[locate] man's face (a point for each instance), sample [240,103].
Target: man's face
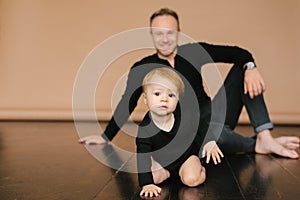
[164,31]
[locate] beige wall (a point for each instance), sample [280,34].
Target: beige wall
[44,42]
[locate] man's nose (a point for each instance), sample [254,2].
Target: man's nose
[165,38]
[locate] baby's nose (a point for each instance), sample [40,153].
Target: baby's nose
[164,98]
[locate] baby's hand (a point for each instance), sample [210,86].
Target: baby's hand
[150,190]
[211,149]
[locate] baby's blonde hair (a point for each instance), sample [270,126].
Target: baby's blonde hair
[165,73]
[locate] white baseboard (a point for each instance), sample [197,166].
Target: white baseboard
[277,118]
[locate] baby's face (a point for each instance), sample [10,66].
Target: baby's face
[161,96]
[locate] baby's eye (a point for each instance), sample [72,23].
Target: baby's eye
[156,93]
[172,95]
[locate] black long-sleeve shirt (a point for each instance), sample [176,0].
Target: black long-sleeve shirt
[170,149]
[188,62]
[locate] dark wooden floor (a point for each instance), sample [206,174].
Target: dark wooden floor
[42,160]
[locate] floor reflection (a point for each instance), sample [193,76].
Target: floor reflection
[116,159]
[175,190]
[252,176]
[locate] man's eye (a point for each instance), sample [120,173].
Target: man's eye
[171,32]
[158,33]
[156,93]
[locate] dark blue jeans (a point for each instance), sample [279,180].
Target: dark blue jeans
[230,141]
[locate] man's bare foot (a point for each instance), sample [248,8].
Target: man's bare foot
[266,144]
[92,139]
[290,142]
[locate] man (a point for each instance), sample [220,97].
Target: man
[244,80]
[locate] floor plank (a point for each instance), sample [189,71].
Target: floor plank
[253,179]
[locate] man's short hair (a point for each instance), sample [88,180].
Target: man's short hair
[165,11]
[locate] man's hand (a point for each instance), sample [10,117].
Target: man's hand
[211,149]
[92,139]
[253,83]
[150,190]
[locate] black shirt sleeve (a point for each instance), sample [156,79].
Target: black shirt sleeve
[144,148]
[228,54]
[126,105]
